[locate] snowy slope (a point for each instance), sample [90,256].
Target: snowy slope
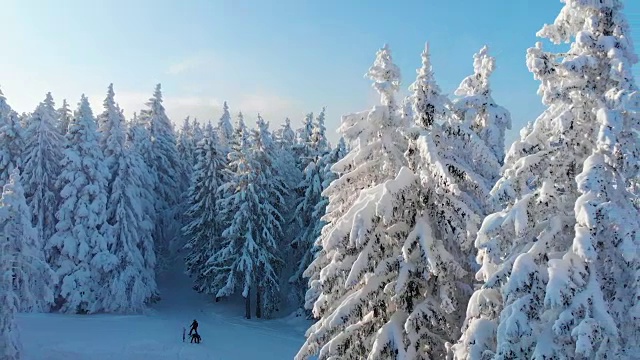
[158,334]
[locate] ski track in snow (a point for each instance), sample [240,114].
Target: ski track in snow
[157,334]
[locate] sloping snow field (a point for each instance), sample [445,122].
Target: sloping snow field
[157,335]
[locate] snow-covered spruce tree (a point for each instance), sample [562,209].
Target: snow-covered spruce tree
[202,232]
[285,139]
[42,156]
[10,345]
[198,131]
[164,161]
[357,258]
[210,131]
[305,216]
[272,190]
[138,143]
[186,147]
[79,252]
[11,140]
[112,129]
[312,273]
[33,280]
[131,284]
[225,129]
[477,108]
[248,259]
[319,135]
[303,137]
[64,117]
[442,211]
[560,262]
[285,136]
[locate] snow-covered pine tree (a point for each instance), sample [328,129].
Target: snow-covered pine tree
[139,143]
[64,117]
[477,108]
[198,132]
[11,140]
[33,280]
[232,266]
[318,136]
[186,146]
[248,259]
[203,229]
[357,259]
[112,129]
[306,216]
[10,345]
[79,252]
[312,273]
[560,261]
[225,129]
[43,146]
[131,284]
[454,170]
[210,131]
[164,161]
[285,136]
[272,189]
[303,137]
[285,139]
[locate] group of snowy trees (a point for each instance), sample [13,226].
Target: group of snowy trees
[254,205]
[427,198]
[83,209]
[414,237]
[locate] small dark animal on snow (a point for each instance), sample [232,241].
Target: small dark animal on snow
[195,337]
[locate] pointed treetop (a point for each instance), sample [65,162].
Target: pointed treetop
[386,76]
[240,121]
[427,100]
[157,94]
[426,68]
[48,100]
[109,101]
[321,116]
[84,109]
[208,130]
[478,83]
[260,121]
[225,107]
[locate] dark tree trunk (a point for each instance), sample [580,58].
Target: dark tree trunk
[247,303]
[258,303]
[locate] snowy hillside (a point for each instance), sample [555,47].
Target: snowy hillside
[158,334]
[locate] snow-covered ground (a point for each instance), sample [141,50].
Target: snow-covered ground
[157,335]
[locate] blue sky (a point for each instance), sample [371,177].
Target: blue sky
[282,58]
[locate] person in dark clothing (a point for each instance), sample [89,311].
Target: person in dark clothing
[194,327]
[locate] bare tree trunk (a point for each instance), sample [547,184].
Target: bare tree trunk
[247,302]
[258,303]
